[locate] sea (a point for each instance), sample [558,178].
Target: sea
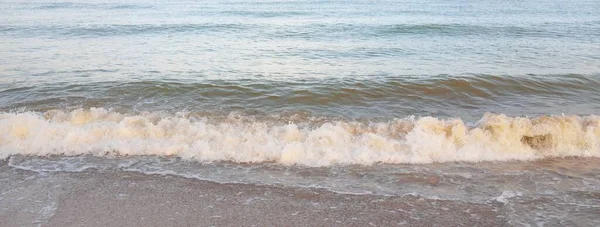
[487,101]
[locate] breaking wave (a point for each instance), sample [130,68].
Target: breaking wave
[102,132]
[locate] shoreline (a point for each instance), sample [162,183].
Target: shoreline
[114,198]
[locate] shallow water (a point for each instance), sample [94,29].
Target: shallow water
[550,192]
[357,59]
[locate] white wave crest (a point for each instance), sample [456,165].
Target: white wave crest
[101,132]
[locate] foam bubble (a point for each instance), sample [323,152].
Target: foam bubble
[102,132]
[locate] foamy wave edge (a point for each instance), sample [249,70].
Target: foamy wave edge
[101,132]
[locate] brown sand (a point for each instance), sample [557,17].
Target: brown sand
[110,198]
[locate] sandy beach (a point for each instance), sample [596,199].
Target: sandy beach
[114,198]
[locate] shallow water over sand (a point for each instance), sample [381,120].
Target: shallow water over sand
[548,192]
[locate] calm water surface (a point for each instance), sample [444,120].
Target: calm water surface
[347,59]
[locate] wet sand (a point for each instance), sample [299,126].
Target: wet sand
[112,198]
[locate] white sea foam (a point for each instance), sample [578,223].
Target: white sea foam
[101,132]
[503,198]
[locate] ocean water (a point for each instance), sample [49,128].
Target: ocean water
[478,101]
